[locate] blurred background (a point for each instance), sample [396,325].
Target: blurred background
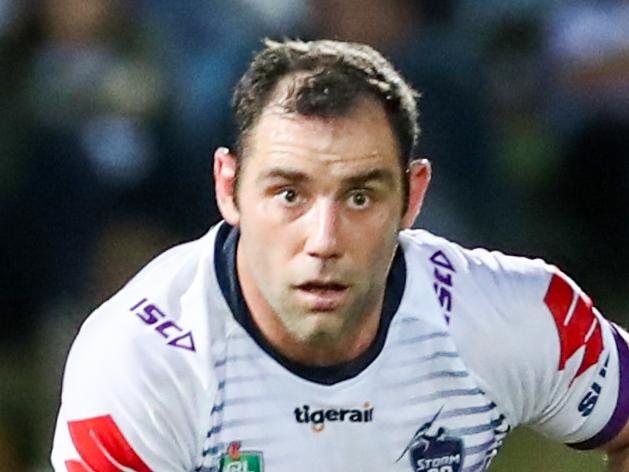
[111,110]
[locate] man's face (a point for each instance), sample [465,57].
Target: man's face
[319,203]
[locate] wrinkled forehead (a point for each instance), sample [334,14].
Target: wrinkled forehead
[362,137]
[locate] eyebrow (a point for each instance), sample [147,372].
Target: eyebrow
[284,174]
[379,175]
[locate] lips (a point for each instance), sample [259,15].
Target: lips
[322,286]
[323,295]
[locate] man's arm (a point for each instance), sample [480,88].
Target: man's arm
[618,452]
[618,448]
[556,364]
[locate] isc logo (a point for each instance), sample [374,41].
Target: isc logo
[443,281]
[588,402]
[151,315]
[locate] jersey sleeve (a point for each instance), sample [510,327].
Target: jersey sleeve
[129,402]
[542,350]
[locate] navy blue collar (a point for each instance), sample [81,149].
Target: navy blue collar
[225,264]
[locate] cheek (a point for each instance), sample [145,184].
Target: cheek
[267,250]
[379,231]
[374,244]
[264,213]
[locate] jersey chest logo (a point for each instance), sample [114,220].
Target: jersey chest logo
[235,460]
[438,453]
[434,452]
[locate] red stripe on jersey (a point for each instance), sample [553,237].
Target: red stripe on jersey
[76,466]
[573,335]
[102,446]
[593,350]
[574,327]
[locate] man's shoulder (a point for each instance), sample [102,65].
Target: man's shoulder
[484,292]
[478,265]
[142,361]
[161,312]
[173,270]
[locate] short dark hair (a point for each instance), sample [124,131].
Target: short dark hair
[335,76]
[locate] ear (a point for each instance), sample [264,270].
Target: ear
[418,174]
[225,165]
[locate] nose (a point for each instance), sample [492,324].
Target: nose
[322,240]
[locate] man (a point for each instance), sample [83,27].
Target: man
[312,331]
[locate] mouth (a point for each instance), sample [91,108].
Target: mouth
[323,295]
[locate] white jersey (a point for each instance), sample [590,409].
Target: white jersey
[172,375]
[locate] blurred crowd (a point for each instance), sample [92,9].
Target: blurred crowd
[111,110]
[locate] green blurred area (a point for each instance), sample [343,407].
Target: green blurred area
[526,451]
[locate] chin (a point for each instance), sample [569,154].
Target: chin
[320,329]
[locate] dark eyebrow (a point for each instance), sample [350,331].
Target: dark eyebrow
[381,175]
[285,174]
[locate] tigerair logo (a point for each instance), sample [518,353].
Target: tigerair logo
[317,418]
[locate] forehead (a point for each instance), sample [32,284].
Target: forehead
[361,140]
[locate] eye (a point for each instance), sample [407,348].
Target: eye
[288,196]
[359,199]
